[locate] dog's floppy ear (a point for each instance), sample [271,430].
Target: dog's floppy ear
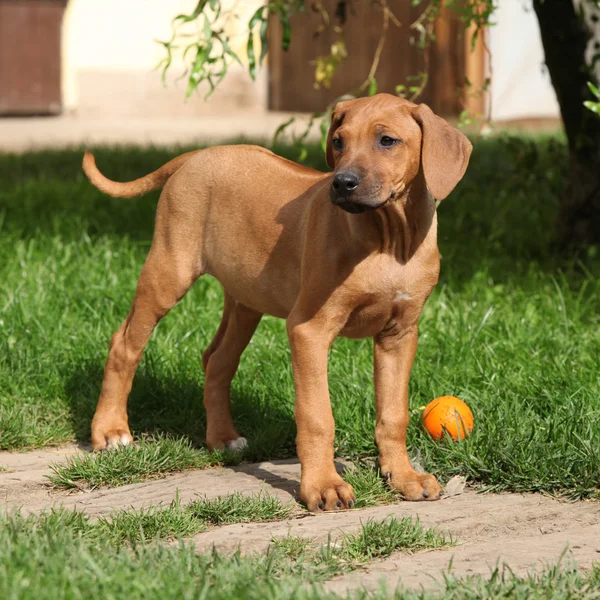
[337,116]
[445,152]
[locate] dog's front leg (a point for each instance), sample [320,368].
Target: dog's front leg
[394,354]
[321,487]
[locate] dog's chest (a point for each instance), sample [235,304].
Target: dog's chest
[385,292]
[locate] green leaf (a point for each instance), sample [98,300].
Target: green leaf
[194,15]
[251,56]
[207,28]
[282,128]
[264,40]
[474,39]
[287,30]
[593,89]
[324,127]
[372,86]
[464,119]
[256,17]
[196,75]
[593,106]
[212,87]
[227,49]
[165,63]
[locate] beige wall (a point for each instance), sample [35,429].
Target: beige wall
[110,55]
[521,86]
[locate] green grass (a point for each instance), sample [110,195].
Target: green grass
[555,582]
[560,581]
[53,562]
[152,457]
[238,508]
[380,539]
[512,328]
[293,547]
[155,523]
[370,489]
[178,520]
[374,540]
[159,455]
[173,521]
[63,554]
[55,556]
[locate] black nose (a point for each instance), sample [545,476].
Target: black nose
[345,183]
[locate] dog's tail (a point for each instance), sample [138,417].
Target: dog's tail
[138,187]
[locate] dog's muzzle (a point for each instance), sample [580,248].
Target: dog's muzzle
[345,193]
[343,187]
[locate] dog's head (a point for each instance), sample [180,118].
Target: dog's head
[377,146]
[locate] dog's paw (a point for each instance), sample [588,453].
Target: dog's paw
[326,493]
[112,439]
[414,486]
[231,441]
[110,433]
[237,445]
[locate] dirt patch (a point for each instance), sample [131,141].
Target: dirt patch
[24,482]
[523,530]
[522,553]
[26,486]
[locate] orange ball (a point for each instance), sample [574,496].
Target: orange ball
[450,414]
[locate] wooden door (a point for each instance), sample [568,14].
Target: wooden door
[291,74]
[30,57]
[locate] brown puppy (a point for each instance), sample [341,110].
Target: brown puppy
[351,253]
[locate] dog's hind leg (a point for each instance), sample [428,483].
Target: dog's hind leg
[221,361]
[168,273]
[228,304]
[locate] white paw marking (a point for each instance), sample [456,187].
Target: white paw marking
[114,443]
[240,444]
[401,296]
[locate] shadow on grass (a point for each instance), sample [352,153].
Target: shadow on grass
[173,405]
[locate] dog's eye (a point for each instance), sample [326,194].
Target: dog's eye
[386,140]
[337,143]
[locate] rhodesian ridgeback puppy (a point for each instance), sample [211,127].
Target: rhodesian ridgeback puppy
[351,253]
